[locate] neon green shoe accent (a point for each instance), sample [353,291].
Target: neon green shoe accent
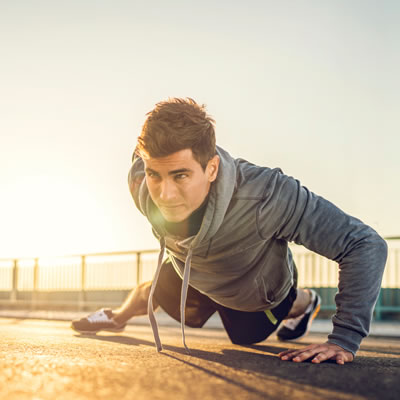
[271,317]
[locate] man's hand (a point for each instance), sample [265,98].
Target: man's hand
[319,352]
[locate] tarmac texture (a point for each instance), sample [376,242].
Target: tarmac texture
[47,360]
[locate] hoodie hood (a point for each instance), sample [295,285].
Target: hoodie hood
[220,195]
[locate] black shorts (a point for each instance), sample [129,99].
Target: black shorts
[242,327]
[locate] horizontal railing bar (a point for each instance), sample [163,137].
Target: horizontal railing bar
[110,253]
[67,303]
[116,253]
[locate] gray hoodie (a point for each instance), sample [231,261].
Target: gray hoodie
[240,256]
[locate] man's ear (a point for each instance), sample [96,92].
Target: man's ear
[212,168]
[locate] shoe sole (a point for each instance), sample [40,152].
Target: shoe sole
[116,330]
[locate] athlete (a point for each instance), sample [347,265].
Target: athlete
[224,225]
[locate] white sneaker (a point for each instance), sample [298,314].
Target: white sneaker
[101,320]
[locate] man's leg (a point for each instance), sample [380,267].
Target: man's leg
[167,294]
[253,327]
[115,321]
[135,304]
[199,308]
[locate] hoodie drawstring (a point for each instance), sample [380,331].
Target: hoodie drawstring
[184,291]
[150,311]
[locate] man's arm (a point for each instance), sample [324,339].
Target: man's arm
[291,212]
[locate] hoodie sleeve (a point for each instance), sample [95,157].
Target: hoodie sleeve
[291,212]
[136,179]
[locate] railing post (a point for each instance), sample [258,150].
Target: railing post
[378,311]
[313,269]
[82,294]
[138,268]
[35,283]
[397,267]
[14,290]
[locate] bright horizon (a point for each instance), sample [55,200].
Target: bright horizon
[310,87]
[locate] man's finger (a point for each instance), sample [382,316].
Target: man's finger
[298,351]
[305,355]
[344,357]
[323,356]
[340,360]
[289,354]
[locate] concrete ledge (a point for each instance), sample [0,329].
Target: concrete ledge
[378,329]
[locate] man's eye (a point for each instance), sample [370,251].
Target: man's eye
[180,176]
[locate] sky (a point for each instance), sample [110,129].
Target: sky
[311,87]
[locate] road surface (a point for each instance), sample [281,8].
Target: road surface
[46,360]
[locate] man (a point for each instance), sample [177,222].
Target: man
[226,224]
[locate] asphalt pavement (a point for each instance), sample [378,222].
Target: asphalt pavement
[44,359]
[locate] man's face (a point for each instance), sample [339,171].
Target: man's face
[178,184]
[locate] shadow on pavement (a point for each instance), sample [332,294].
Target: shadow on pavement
[265,348]
[216,374]
[128,340]
[372,377]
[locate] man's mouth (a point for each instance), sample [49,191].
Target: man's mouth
[169,206]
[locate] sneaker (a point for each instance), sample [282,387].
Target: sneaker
[101,320]
[296,328]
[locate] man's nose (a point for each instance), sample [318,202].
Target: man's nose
[167,191]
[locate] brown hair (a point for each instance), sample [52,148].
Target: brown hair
[178,124]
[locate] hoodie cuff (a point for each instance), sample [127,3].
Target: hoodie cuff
[348,339]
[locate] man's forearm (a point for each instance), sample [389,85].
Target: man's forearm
[356,297]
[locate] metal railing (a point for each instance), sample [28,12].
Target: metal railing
[90,280]
[31,281]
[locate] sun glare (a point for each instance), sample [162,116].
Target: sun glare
[43,214]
